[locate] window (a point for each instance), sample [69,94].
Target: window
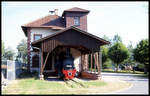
[37,36]
[76,20]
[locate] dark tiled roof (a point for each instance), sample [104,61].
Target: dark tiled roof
[50,21]
[77,9]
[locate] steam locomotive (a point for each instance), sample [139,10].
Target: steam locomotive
[65,65]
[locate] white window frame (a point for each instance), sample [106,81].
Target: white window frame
[76,20]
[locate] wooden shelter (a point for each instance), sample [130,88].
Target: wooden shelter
[87,44]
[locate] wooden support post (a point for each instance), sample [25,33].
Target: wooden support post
[91,61]
[86,62]
[82,62]
[100,63]
[41,74]
[53,62]
[95,62]
[87,66]
[41,62]
[45,62]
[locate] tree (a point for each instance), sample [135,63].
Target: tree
[107,64]
[104,54]
[141,53]
[118,53]
[130,60]
[22,50]
[108,39]
[116,39]
[9,53]
[3,49]
[105,60]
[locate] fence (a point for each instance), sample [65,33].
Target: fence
[11,69]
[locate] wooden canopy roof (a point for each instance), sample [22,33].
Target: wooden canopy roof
[71,36]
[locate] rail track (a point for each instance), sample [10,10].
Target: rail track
[71,84]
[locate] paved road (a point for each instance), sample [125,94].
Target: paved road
[140,85]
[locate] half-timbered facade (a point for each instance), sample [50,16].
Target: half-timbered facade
[49,36]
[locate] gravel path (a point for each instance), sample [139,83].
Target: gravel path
[140,85]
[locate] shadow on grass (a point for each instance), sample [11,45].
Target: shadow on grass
[26,74]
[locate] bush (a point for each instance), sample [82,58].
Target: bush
[107,64]
[140,67]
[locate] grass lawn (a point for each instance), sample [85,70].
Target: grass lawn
[36,86]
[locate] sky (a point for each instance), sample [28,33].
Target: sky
[127,19]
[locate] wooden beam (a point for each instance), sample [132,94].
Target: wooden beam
[41,62]
[87,66]
[81,62]
[91,61]
[53,62]
[98,63]
[95,61]
[45,61]
[85,62]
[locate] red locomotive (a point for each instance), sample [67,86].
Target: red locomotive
[65,65]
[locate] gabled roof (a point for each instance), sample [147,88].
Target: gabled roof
[54,22]
[75,9]
[50,21]
[69,28]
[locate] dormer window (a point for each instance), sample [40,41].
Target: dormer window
[37,36]
[76,20]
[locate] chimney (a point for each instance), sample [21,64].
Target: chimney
[56,11]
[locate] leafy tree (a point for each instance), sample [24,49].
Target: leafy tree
[104,54]
[130,60]
[108,39]
[107,64]
[118,53]
[141,53]
[3,48]
[116,39]
[9,53]
[22,50]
